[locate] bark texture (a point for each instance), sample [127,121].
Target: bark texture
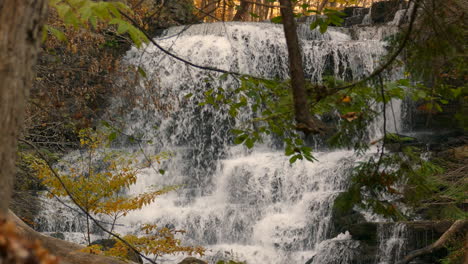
[306,122]
[242,13]
[20,32]
[69,253]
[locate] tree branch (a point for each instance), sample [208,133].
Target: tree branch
[393,57]
[262,4]
[306,122]
[455,228]
[73,199]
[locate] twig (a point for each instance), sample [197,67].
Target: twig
[382,151]
[262,4]
[393,57]
[208,68]
[81,208]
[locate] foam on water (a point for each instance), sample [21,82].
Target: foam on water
[238,203]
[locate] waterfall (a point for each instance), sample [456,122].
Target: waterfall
[249,205]
[391,242]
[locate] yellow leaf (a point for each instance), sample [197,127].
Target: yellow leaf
[346,99]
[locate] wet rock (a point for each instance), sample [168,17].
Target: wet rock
[181,11]
[383,12]
[354,15]
[192,260]
[355,11]
[342,221]
[109,243]
[351,21]
[442,140]
[397,142]
[58,235]
[365,232]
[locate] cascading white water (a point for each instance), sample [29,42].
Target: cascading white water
[253,205]
[391,242]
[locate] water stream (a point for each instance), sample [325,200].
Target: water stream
[248,205]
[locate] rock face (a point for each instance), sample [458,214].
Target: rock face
[384,11]
[175,13]
[354,15]
[343,221]
[380,12]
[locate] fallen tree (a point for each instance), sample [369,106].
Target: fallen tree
[69,253]
[457,226]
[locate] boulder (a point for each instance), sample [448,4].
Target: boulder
[365,232]
[109,243]
[58,235]
[396,142]
[192,260]
[342,221]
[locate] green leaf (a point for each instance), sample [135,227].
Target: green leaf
[254,15]
[112,136]
[240,139]
[289,151]
[44,34]
[162,171]
[223,76]
[105,123]
[438,107]
[277,20]
[237,131]
[323,28]
[93,21]
[421,94]
[62,9]
[57,33]
[249,143]
[71,19]
[295,158]
[141,72]
[233,111]
[316,23]
[457,92]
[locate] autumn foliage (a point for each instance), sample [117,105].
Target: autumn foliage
[98,182]
[14,248]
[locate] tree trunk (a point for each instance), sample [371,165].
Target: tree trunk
[20,33]
[322,6]
[306,122]
[457,226]
[242,13]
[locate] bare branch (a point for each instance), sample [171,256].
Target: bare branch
[393,57]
